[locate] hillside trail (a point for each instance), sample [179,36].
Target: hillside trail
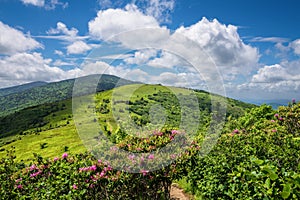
[178,194]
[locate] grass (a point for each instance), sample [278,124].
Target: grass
[55,141]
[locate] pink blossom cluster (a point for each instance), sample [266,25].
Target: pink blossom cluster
[90,168]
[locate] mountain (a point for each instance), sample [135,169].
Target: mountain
[56,118]
[24,96]
[21,88]
[275,103]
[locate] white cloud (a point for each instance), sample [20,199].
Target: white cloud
[114,21]
[104,4]
[53,3]
[100,67]
[49,5]
[14,41]
[160,9]
[141,57]
[274,81]
[271,74]
[296,46]
[39,3]
[62,32]
[223,44]
[28,67]
[167,60]
[78,47]
[57,52]
[23,68]
[59,63]
[269,39]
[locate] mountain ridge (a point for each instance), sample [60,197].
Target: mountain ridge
[55,91]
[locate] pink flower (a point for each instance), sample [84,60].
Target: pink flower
[55,159]
[20,186]
[144,172]
[151,157]
[131,157]
[35,174]
[75,187]
[236,131]
[32,167]
[276,115]
[158,133]
[93,168]
[174,132]
[280,119]
[99,161]
[65,155]
[114,148]
[18,180]
[142,159]
[274,130]
[272,120]
[293,101]
[102,174]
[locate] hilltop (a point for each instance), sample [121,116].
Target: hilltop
[19,97]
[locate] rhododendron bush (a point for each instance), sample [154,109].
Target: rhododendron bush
[82,176]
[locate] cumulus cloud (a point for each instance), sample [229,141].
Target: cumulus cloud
[75,43]
[62,32]
[78,47]
[271,74]
[14,41]
[111,22]
[223,44]
[273,81]
[28,67]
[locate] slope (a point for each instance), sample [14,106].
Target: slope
[49,129]
[51,92]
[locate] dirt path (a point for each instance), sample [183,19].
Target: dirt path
[178,194]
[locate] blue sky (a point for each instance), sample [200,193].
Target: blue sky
[253,46]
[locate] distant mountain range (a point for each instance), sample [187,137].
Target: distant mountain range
[275,103]
[19,97]
[16,98]
[21,88]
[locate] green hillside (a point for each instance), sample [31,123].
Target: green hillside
[20,88]
[20,97]
[49,122]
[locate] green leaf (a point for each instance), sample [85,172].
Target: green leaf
[286,191]
[257,161]
[268,183]
[273,176]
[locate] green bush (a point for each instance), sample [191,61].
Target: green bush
[82,176]
[257,157]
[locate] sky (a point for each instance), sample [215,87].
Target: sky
[242,49]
